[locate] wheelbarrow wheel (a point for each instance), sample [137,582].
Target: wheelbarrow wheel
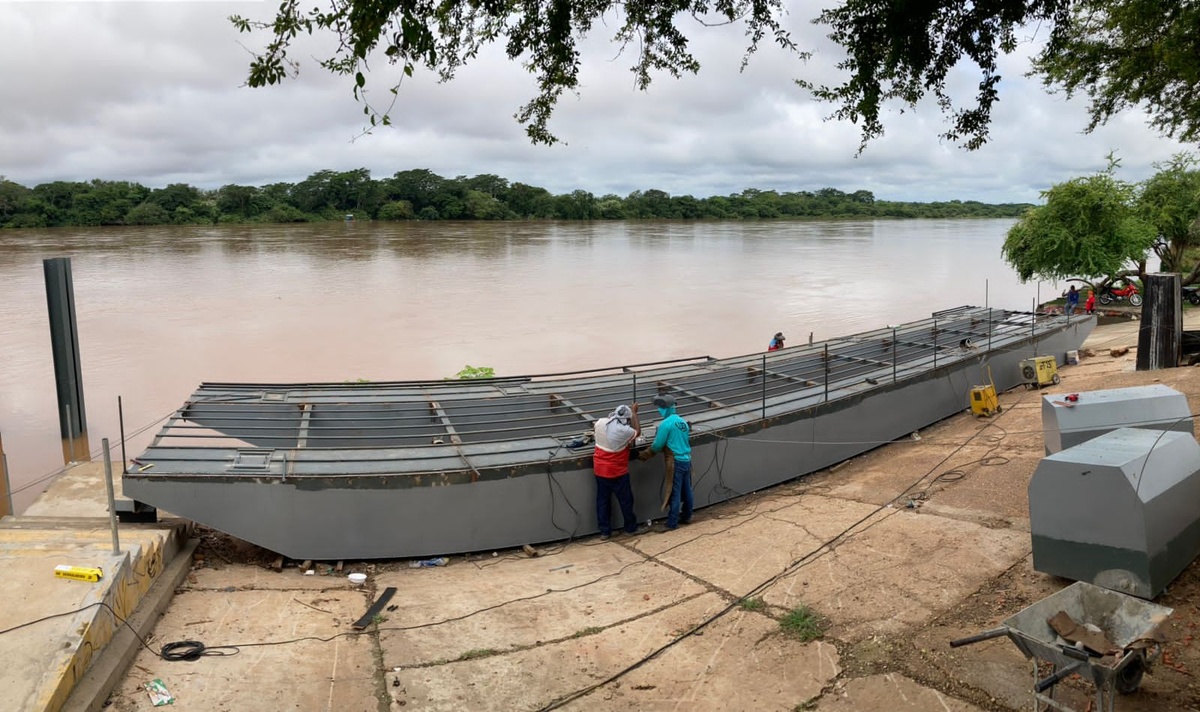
[1130,677]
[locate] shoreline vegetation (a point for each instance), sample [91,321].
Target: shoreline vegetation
[421,194]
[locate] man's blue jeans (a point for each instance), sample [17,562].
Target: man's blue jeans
[606,489]
[681,495]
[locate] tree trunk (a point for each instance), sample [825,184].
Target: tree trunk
[1161,331]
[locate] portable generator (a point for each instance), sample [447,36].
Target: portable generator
[984,401]
[1039,371]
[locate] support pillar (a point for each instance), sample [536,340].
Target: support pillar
[64,344]
[6,505]
[1160,334]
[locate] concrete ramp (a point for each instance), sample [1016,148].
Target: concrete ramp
[44,661]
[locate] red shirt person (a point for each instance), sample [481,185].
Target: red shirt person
[615,436]
[776,342]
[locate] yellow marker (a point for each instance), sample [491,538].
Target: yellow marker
[79,573]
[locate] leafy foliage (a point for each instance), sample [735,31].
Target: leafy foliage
[1087,228]
[543,35]
[901,51]
[471,372]
[421,194]
[1130,53]
[1170,202]
[1121,53]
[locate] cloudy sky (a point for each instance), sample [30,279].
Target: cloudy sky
[152,92]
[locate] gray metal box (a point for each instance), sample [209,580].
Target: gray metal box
[1066,423]
[1119,511]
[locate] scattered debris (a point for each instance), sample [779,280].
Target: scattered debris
[338,568]
[277,565]
[309,605]
[306,565]
[375,608]
[158,693]
[529,550]
[1120,351]
[564,566]
[428,563]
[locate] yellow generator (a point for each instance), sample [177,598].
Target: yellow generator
[984,402]
[1039,371]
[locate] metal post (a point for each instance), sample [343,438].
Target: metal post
[112,504]
[121,420]
[764,386]
[935,330]
[6,505]
[985,294]
[70,434]
[635,386]
[989,330]
[826,372]
[894,379]
[64,345]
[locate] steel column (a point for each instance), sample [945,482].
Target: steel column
[64,344]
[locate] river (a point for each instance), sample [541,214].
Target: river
[161,309]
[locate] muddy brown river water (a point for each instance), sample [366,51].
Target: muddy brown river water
[162,309]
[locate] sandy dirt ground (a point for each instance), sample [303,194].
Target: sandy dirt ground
[836,592]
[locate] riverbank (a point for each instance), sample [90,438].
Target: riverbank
[657,621]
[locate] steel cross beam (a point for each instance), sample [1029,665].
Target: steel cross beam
[557,401]
[860,359]
[753,372]
[440,415]
[671,386]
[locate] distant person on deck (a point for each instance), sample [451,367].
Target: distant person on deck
[1090,305]
[776,342]
[1072,300]
[615,435]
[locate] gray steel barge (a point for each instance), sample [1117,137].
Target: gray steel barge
[420,468]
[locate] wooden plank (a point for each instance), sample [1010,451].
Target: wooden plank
[375,609]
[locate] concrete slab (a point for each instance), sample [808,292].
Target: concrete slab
[740,662]
[49,657]
[461,608]
[695,669]
[900,571]
[311,675]
[764,542]
[888,692]
[78,492]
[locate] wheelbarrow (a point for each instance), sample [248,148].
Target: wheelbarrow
[1112,641]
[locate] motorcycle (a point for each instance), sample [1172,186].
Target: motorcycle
[1108,295]
[1192,294]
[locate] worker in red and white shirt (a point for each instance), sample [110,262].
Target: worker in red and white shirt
[615,436]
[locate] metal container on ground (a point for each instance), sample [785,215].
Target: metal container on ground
[1067,422]
[1118,511]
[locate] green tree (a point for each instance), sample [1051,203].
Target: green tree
[1087,228]
[397,210]
[1170,201]
[148,214]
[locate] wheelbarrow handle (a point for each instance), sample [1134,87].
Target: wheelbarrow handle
[979,637]
[1057,677]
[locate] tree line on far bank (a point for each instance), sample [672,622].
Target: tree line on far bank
[421,194]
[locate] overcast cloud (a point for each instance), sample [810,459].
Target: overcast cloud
[152,92]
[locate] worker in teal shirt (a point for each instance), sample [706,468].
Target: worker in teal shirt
[673,434]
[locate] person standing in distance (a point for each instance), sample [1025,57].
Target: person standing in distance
[615,435]
[674,434]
